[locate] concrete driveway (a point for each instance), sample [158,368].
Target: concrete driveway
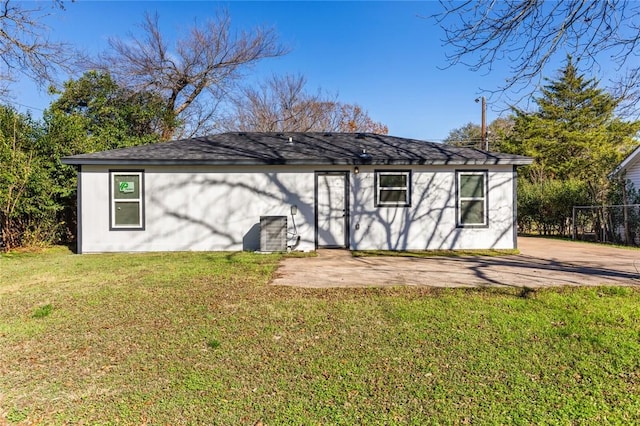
[542,263]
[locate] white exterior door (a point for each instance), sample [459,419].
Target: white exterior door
[332,214]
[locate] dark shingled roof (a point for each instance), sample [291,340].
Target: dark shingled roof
[252,148]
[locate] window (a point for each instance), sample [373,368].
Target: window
[393,188]
[472,198]
[127,205]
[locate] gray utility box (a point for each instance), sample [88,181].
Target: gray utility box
[273,233]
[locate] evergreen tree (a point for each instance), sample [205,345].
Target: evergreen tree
[574,134]
[93,114]
[105,115]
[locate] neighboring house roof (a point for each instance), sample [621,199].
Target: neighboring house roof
[252,148]
[626,163]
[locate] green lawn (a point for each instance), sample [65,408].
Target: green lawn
[201,338]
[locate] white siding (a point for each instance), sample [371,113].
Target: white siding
[219,208]
[633,173]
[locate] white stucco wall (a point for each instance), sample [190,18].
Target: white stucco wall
[430,221]
[201,208]
[219,208]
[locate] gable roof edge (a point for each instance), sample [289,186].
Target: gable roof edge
[624,164]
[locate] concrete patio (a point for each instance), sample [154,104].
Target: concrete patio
[542,262]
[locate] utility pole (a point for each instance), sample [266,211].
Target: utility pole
[485,140]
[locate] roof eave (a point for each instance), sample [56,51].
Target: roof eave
[273,162]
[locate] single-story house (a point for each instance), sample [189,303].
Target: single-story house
[629,168]
[296,191]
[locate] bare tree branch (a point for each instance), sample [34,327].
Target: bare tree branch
[206,63]
[529,33]
[281,104]
[25,47]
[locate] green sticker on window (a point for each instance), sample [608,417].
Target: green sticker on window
[127,187]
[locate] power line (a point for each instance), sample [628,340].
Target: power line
[14,104]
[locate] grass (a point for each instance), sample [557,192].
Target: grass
[201,338]
[43,311]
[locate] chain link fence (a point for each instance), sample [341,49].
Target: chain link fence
[618,224]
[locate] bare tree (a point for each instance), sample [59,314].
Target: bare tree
[196,73]
[25,47]
[282,104]
[353,118]
[528,33]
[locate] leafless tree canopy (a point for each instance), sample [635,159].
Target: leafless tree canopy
[194,74]
[282,104]
[527,34]
[25,47]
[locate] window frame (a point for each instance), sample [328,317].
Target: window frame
[484,198]
[140,226]
[378,188]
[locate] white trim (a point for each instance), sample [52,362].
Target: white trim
[406,188]
[460,198]
[628,161]
[139,199]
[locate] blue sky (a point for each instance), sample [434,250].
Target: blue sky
[385,56]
